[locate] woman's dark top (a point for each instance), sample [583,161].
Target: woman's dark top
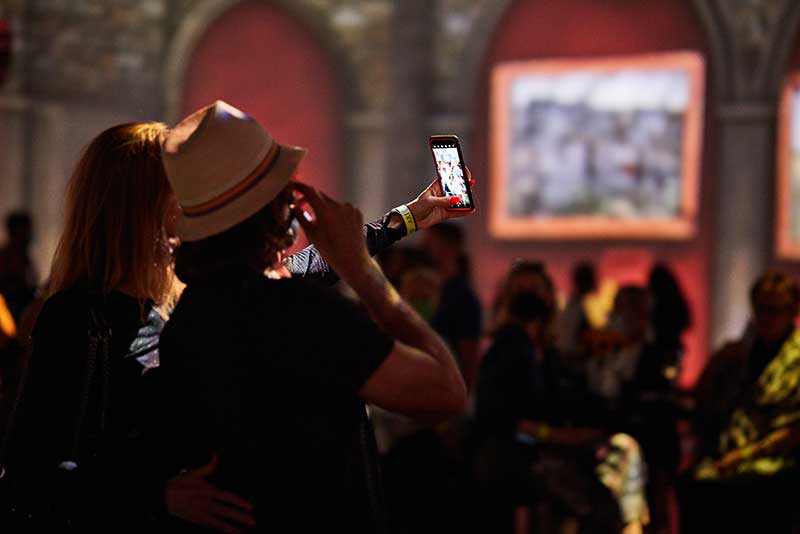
[123,483]
[515,383]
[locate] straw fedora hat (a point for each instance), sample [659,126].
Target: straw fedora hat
[223,167]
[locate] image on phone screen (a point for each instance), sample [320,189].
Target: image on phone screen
[451,173]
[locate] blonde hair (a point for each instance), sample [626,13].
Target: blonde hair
[117,202]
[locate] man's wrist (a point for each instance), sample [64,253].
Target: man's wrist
[394,226]
[408,218]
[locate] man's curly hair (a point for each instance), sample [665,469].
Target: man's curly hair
[255,243]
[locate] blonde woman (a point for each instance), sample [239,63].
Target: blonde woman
[91,416]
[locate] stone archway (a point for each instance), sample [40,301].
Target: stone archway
[203,14]
[283,64]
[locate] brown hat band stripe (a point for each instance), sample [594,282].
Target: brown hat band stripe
[239,189]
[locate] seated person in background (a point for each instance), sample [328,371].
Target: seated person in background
[633,378]
[747,422]
[529,442]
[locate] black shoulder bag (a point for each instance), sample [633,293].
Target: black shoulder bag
[52,499]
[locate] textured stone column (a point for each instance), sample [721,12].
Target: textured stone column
[411,71]
[744,214]
[367,181]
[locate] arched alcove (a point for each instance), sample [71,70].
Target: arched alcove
[276,60]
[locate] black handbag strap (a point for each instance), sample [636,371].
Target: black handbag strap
[98,355]
[13,415]
[97,363]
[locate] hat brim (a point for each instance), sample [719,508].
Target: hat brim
[199,227]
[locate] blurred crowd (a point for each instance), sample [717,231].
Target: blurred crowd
[580,425]
[574,424]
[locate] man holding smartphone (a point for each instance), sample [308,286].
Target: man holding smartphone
[271,376]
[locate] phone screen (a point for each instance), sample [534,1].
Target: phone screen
[450,167]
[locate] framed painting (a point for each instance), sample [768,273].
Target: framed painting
[597,148]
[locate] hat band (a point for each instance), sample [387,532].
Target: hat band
[239,189]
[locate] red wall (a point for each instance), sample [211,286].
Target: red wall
[264,61]
[792,267]
[580,28]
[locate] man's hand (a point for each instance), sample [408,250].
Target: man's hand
[430,207]
[335,228]
[190,497]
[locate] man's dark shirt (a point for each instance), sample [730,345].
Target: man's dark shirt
[266,373]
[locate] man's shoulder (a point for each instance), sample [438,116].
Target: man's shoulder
[67,305]
[253,297]
[288,290]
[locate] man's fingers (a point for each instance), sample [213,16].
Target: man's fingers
[436,188]
[440,202]
[227,497]
[304,212]
[311,194]
[229,513]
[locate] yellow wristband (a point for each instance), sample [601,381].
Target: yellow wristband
[408,218]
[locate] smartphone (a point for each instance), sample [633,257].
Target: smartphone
[451,170]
